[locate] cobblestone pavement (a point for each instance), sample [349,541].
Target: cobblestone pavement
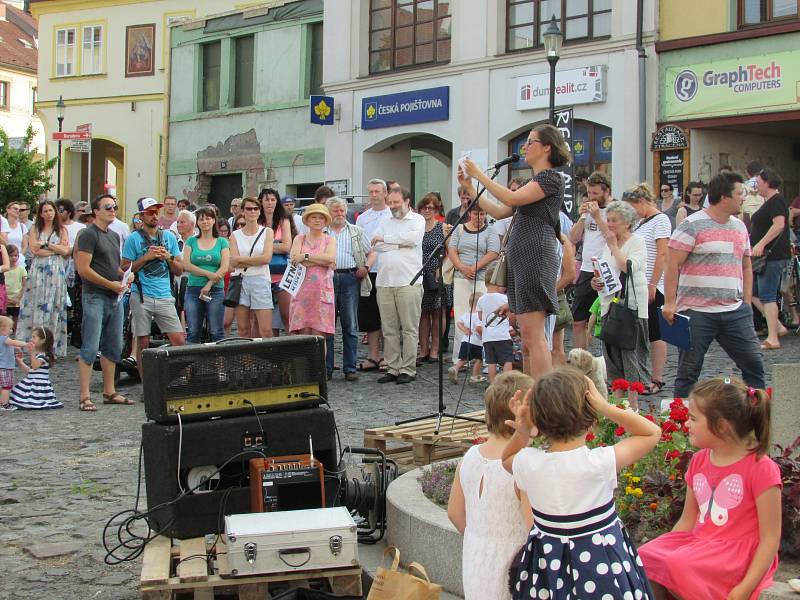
[64,472]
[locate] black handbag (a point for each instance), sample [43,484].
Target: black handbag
[620,323]
[234,292]
[430,283]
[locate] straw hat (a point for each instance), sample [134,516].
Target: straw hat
[316,209]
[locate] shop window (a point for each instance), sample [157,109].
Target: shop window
[65,52]
[578,20]
[211,75]
[756,12]
[243,77]
[408,33]
[315,59]
[5,88]
[92,58]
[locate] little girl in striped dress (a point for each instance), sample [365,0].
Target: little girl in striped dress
[35,391]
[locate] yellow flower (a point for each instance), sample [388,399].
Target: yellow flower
[628,490]
[637,492]
[636,479]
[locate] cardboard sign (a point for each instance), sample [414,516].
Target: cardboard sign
[611,282]
[293,278]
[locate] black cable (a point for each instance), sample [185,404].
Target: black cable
[258,418]
[312,395]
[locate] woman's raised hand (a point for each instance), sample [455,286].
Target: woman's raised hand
[472,168]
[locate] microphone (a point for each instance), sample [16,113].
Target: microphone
[511,159]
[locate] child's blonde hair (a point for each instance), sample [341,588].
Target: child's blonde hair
[489,273]
[559,408]
[6,322]
[497,397]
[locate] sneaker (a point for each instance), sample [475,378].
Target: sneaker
[452,375]
[7,407]
[477,379]
[351,377]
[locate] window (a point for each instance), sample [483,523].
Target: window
[5,88]
[92,58]
[211,75]
[407,33]
[755,12]
[315,82]
[577,19]
[65,52]
[243,82]
[34,98]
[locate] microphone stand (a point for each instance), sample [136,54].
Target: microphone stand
[440,413]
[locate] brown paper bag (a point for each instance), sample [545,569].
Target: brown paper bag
[391,584]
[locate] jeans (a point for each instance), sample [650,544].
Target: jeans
[346,292]
[198,310]
[101,328]
[734,331]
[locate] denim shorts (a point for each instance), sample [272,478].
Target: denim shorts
[768,283]
[101,328]
[256,293]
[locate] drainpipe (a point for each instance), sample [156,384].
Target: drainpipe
[642,92]
[163,161]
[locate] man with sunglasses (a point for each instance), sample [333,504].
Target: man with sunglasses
[97,261]
[153,256]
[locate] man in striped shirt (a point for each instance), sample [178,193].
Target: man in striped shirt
[709,279]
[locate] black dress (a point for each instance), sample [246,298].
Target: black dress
[533,261]
[431,239]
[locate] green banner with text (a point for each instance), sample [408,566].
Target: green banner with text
[745,85]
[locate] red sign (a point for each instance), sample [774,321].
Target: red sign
[71,135]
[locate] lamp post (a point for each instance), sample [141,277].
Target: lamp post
[60,106]
[552,46]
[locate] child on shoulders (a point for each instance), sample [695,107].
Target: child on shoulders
[471,345]
[725,545]
[578,547]
[493,515]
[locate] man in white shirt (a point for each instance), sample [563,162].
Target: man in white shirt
[369,319]
[236,209]
[590,229]
[398,244]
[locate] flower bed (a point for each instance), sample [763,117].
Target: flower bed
[651,493]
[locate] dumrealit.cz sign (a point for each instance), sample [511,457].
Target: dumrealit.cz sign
[406,108]
[573,86]
[748,84]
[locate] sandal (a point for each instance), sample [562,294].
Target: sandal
[654,388]
[365,365]
[86,405]
[765,345]
[116,398]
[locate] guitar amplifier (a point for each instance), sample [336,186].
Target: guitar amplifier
[286,483]
[233,377]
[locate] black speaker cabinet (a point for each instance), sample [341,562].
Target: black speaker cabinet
[206,445]
[202,381]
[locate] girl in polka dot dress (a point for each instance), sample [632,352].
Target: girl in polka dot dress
[725,545]
[578,548]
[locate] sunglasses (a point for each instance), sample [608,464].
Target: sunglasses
[151,212]
[252,209]
[109,207]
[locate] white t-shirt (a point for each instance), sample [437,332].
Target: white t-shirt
[593,242]
[243,244]
[15,236]
[369,221]
[471,322]
[122,230]
[498,330]
[652,230]
[72,231]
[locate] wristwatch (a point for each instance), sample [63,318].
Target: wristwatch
[306,256]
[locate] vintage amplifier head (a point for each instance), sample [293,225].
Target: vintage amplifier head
[233,377]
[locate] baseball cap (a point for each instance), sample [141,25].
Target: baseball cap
[146,203]
[286,199]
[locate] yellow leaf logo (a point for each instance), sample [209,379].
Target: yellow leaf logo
[606,143]
[371,111]
[578,147]
[322,110]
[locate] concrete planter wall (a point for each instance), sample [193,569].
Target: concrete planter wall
[423,533]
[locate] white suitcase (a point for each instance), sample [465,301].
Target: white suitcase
[294,540]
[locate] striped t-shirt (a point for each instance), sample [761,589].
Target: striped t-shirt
[710,279]
[651,230]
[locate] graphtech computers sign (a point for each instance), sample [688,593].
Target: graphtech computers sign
[749,84]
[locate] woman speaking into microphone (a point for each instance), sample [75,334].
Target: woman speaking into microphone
[531,251]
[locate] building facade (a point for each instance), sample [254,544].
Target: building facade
[239,104]
[108,60]
[728,87]
[18,85]
[419,83]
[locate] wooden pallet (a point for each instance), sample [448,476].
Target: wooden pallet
[166,573]
[419,445]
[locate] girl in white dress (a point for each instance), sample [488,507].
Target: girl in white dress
[485,506]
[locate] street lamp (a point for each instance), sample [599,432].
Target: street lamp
[552,46]
[60,106]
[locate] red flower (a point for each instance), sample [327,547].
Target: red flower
[654,506]
[769,392]
[679,414]
[620,385]
[650,418]
[638,387]
[672,455]
[669,426]
[685,428]
[677,403]
[590,436]
[619,431]
[666,437]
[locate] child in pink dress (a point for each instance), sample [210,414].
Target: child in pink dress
[312,310]
[725,545]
